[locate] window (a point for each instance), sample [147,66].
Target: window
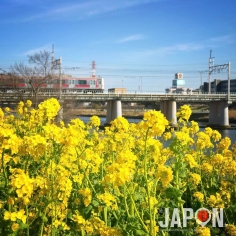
[64,82]
[82,82]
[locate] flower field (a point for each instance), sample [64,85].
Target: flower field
[75,179]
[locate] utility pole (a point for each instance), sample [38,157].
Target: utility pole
[209,72]
[201,86]
[217,68]
[60,84]
[141,83]
[58,64]
[52,57]
[228,81]
[201,80]
[122,86]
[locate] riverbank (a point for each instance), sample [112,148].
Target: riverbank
[201,117]
[139,114]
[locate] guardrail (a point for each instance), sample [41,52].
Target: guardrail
[135,97]
[65,91]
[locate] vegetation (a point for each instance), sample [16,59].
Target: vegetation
[77,180]
[39,72]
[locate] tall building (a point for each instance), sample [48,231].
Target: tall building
[178,85]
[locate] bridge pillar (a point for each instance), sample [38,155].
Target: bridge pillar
[114,109]
[168,108]
[218,113]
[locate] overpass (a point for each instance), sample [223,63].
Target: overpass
[218,102]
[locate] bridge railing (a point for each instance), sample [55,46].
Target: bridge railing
[128,96]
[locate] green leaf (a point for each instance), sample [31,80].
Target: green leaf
[95,203]
[140,232]
[88,209]
[173,193]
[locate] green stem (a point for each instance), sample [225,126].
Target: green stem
[136,210]
[105,214]
[27,219]
[162,233]
[41,229]
[52,202]
[5,177]
[147,186]
[91,185]
[4,170]
[131,207]
[82,232]
[126,206]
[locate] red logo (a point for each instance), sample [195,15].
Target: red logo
[203,215]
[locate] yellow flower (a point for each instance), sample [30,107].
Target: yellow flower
[86,192]
[195,178]
[95,120]
[194,128]
[206,168]
[107,198]
[208,131]
[10,201]
[190,160]
[155,121]
[203,141]
[184,113]
[216,136]
[203,231]
[216,201]
[7,109]
[217,159]
[14,226]
[224,143]
[78,219]
[13,216]
[165,174]
[7,215]
[166,135]
[21,215]
[49,108]
[231,229]
[184,138]
[1,114]
[199,196]
[153,201]
[28,103]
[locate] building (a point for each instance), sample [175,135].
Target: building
[220,86]
[178,85]
[117,90]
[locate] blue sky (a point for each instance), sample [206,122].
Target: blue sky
[130,40]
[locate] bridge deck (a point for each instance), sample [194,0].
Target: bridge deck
[127,97]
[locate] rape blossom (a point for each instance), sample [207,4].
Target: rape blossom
[74,179]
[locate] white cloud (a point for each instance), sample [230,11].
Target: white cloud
[186,47]
[162,51]
[86,9]
[134,37]
[218,41]
[47,47]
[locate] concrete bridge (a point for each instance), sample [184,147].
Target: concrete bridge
[218,102]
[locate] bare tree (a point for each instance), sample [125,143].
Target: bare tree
[37,75]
